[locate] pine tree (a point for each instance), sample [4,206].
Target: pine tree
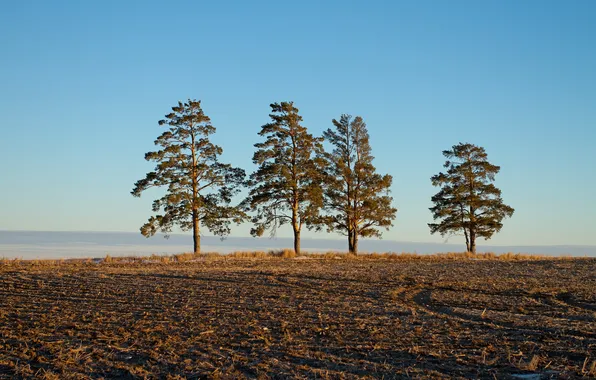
[468,202]
[199,187]
[285,188]
[357,198]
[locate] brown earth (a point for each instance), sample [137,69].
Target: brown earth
[288,318]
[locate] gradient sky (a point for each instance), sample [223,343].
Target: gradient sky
[83,84]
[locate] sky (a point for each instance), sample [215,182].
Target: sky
[83,84]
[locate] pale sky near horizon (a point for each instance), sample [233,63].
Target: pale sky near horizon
[83,84]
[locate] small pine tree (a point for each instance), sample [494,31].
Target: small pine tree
[468,201]
[199,187]
[357,198]
[285,188]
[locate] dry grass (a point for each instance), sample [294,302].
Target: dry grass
[589,369]
[290,254]
[532,365]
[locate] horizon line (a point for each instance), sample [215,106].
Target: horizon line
[305,238]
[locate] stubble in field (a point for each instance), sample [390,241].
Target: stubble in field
[299,319]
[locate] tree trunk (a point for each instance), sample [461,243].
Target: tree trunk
[297,241]
[472,241]
[350,241]
[196,233]
[296,225]
[353,242]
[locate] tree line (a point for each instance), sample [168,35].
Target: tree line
[300,182]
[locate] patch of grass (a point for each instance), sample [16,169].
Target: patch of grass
[289,254]
[248,255]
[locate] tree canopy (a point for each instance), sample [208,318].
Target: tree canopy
[199,188]
[468,202]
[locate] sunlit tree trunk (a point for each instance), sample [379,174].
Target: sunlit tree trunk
[196,233]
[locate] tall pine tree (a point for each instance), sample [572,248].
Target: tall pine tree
[199,187]
[286,187]
[468,202]
[357,198]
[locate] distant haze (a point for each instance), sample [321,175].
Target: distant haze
[56,245]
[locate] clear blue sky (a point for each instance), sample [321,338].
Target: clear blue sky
[83,84]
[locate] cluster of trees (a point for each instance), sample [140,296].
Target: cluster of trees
[300,183]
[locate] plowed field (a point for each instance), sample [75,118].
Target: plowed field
[299,319]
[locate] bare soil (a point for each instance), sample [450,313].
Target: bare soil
[289,318]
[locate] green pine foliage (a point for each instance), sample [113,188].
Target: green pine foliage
[286,186]
[357,200]
[199,188]
[300,184]
[468,201]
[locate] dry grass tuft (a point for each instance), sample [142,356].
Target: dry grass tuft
[589,369]
[184,257]
[284,253]
[248,255]
[532,365]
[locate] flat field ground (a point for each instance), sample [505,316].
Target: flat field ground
[289,318]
